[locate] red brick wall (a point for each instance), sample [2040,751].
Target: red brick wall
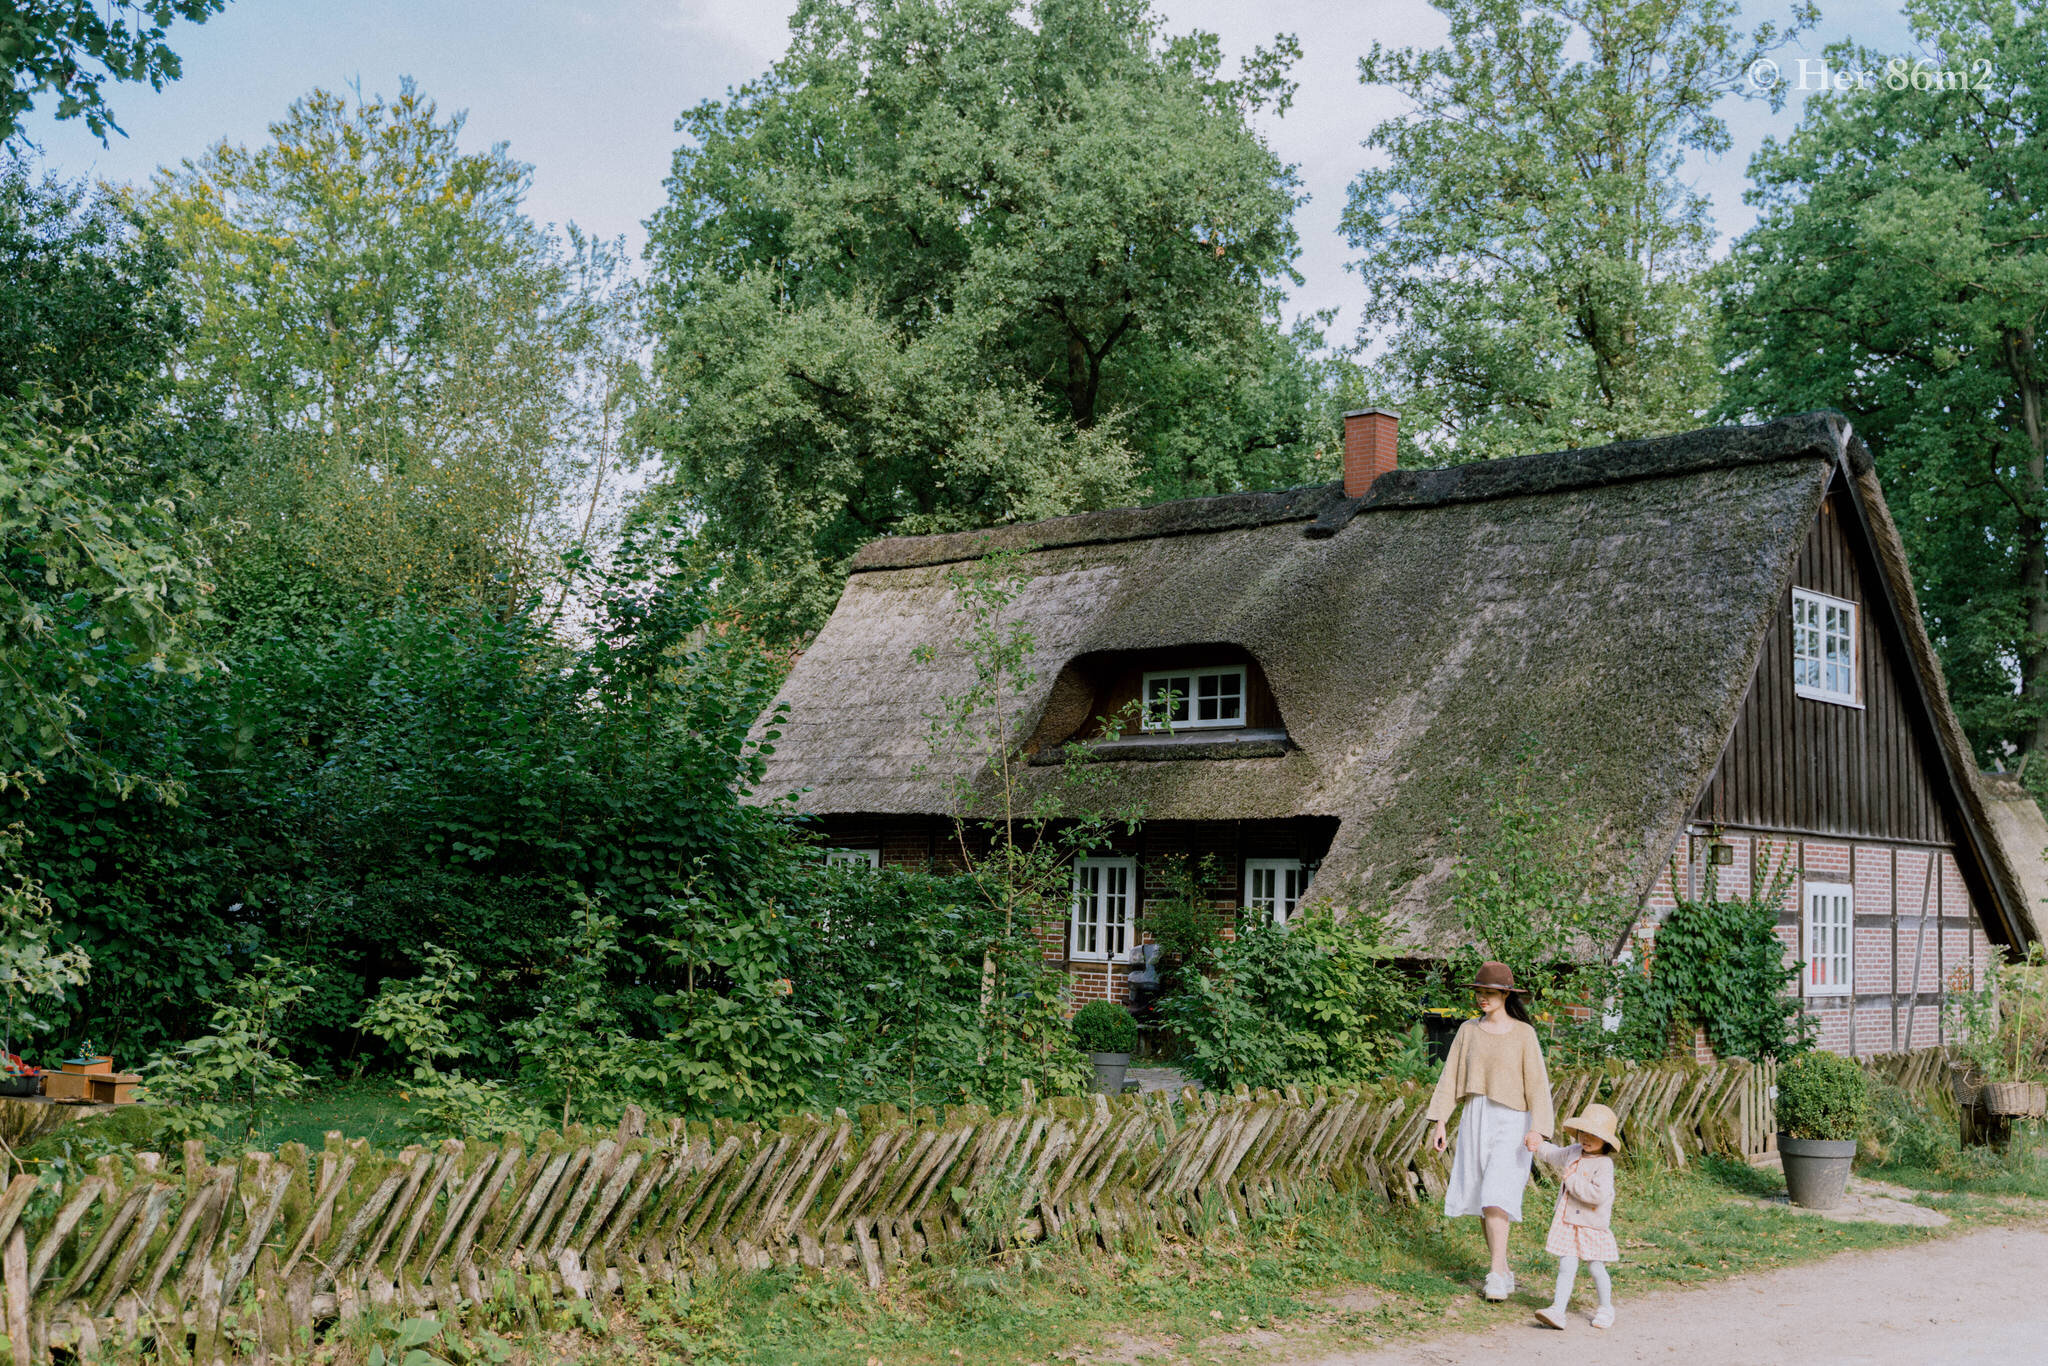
[1890,1009]
[932,842]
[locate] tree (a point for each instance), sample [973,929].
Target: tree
[430,380]
[1530,253]
[948,263]
[1898,273]
[48,42]
[97,570]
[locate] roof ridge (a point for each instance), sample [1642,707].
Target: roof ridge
[1327,510]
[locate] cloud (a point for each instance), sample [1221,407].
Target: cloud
[759,29]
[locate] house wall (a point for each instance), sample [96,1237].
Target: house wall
[1819,791]
[930,842]
[1918,934]
[1800,765]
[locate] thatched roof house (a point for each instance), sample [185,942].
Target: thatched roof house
[1398,640]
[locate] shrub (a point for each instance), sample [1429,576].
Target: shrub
[1899,1132]
[1717,962]
[1822,1096]
[1317,1000]
[1104,1027]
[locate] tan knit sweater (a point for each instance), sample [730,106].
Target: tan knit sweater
[1505,1068]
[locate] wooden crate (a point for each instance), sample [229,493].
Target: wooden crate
[67,1085]
[102,1065]
[115,1088]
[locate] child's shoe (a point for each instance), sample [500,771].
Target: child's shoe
[1603,1317]
[1550,1316]
[1498,1286]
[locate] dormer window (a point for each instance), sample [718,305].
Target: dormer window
[1824,648]
[1194,699]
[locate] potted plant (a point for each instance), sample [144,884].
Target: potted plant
[1106,1032]
[17,1078]
[1822,1098]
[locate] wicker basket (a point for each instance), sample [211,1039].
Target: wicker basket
[2016,1099]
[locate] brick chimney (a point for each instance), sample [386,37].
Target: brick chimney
[1369,435]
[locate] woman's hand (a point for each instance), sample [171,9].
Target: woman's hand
[1533,1141]
[1436,1136]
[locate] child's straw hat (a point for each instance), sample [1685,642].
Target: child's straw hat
[1598,1121]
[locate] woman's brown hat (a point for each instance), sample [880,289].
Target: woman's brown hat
[1497,977]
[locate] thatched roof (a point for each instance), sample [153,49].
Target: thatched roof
[2023,835]
[1603,607]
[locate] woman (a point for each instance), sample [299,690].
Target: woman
[1496,1068]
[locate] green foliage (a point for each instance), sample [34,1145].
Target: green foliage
[97,573]
[240,1065]
[1104,1027]
[52,45]
[957,262]
[1897,273]
[426,774]
[1520,895]
[1531,250]
[33,968]
[1900,1132]
[1822,1095]
[1314,1001]
[1718,963]
[2002,1031]
[431,383]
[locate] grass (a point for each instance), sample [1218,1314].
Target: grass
[372,1109]
[1338,1273]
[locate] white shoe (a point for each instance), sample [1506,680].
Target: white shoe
[1551,1317]
[1499,1287]
[1511,1282]
[1603,1317]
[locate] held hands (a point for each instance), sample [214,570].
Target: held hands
[1533,1141]
[1436,1136]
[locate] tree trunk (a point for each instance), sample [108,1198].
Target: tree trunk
[2034,571]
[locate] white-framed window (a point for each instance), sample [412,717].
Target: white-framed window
[1830,939]
[1103,927]
[1273,886]
[863,858]
[1823,647]
[1194,699]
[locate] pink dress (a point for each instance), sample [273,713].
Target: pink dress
[1586,1192]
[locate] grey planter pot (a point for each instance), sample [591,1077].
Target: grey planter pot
[1816,1169]
[1109,1072]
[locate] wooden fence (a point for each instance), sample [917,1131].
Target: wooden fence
[247,1260]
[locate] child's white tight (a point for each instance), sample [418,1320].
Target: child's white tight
[1568,1272]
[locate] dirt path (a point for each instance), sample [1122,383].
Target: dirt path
[1978,1297]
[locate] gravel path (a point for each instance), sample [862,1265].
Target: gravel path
[1978,1297]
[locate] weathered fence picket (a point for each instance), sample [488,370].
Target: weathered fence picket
[243,1260]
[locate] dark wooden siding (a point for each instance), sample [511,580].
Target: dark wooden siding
[1794,763]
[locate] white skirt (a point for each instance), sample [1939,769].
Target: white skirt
[1489,1165]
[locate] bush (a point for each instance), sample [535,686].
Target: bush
[1317,1000]
[1822,1096]
[1104,1027]
[1899,1132]
[1717,962]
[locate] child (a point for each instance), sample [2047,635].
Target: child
[1580,1229]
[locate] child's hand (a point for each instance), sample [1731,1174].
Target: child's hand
[1532,1141]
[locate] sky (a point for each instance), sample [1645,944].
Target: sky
[588,91]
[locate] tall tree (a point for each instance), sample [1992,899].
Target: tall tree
[96,570]
[416,360]
[1899,272]
[949,262]
[52,45]
[1532,258]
